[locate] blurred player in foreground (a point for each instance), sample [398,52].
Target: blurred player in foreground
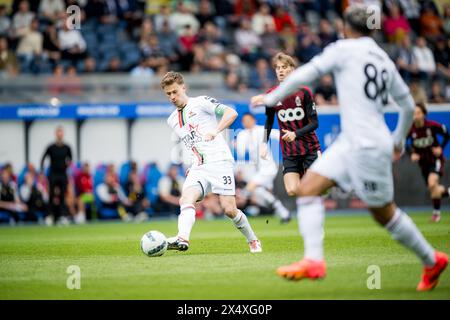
[361,157]
[262,170]
[428,153]
[297,119]
[194,121]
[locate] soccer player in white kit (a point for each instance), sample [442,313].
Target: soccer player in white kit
[194,121]
[361,157]
[262,171]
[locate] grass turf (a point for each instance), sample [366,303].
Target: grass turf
[218,265]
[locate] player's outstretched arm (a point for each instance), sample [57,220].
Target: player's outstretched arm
[301,76]
[402,96]
[228,117]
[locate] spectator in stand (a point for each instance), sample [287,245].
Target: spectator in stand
[437,94]
[326,33]
[34,194]
[142,70]
[282,18]
[442,58]
[145,31]
[405,59]
[187,39]
[130,13]
[72,44]
[309,44]
[411,10]
[111,12]
[271,42]
[430,24]
[395,25]
[424,58]
[205,13]
[247,42]
[261,77]
[21,21]
[51,45]
[89,65]
[325,93]
[182,17]
[84,186]
[95,10]
[417,91]
[169,190]
[235,76]
[168,41]
[9,64]
[5,21]
[112,197]
[114,65]
[261,19]
[154,54]
[8,167]
[30,47]
[164,17]
[339,27]
[245,9]
[138,202]
[445,21]
[9,197]
[52,10]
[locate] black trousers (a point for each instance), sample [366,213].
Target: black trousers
[58,188]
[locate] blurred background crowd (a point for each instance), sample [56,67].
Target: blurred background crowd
[234,37]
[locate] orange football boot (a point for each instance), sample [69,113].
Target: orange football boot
[306,268]
[430,275]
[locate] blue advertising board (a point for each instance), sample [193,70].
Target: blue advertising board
[329,122]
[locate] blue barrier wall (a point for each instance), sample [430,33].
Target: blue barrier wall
[328,120]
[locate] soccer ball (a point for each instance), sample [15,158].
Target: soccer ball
[154,243]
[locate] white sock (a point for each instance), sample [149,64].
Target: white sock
[403,229]
[311,216]
[241,222]
[186,221]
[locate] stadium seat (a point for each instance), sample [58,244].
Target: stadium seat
[152,175]
[124,171]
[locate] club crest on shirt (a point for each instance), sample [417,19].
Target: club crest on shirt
[298,101]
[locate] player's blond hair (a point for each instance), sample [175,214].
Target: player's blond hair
[170,78]
[283,58]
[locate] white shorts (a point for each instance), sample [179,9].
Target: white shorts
[367,171]
[215,177]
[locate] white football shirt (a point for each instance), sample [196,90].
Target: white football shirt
[193,122]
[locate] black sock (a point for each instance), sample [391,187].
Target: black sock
[437,204]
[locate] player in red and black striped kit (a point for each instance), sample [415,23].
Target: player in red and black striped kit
[428,153]
[297,119]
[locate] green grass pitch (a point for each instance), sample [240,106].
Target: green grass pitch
[218,265]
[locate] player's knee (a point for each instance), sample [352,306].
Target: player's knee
[432,187]
[185,200]
[291,191]
[229,210]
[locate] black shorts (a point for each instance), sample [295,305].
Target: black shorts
[299,164]
[432,167]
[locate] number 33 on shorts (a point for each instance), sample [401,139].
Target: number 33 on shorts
[227,180]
